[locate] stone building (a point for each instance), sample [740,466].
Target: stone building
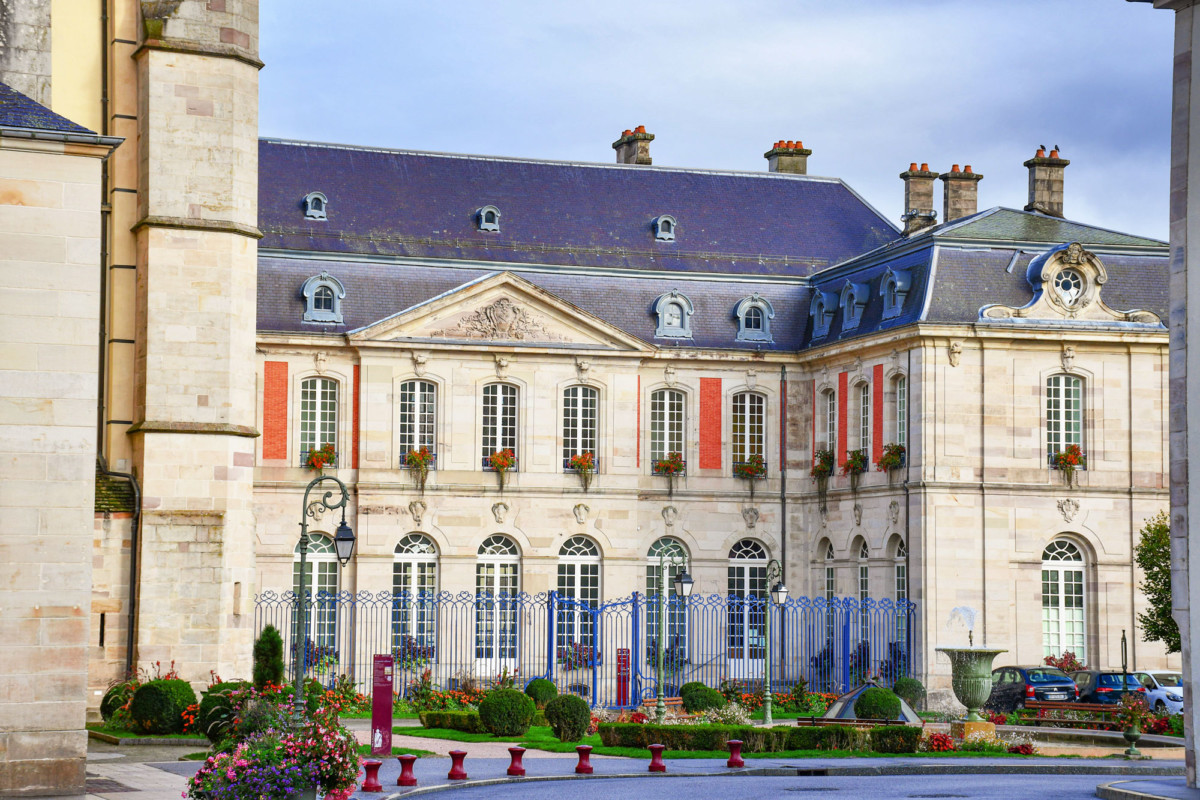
[257,300]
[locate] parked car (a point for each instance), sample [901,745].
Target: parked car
[1105,686]
[1012,686]
[1164,690]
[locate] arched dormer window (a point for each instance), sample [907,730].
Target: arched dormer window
[821,310]
[315,204]
[323,298]
[852,301]
[754,314]
[893,288]
[488,218]
[664,228]
[674,312]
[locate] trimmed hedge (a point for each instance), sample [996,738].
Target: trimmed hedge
[877,703]
[117,695]
[569,717]
[689,689]
[911,690]
[215,709]
[827,737]
[894,739]
[466,721]
[702,699]
[506,712]
[157,706]
[542,691]
[885,739]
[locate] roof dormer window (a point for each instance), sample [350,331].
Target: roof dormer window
[852,302]
[323,298]
[894,288]
[315,205]
[754,314]
[664,228]
[674,312]
[488,218]
[821,310]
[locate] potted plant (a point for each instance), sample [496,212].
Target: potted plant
[752,469]
[584,465]
[892,460]
[1130,715]
[671,466]
[1068,460]
[856,464]
[822,468]
[321,458]
[501,462]
[420,461]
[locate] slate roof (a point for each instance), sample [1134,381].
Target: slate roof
[1010,225]
[19,111]
[375,291]
[423,205]
[112,494]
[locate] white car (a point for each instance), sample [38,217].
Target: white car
[1164,690]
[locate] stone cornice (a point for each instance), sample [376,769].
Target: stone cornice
[204,428]
[197,49]
[206,225]
[83,144]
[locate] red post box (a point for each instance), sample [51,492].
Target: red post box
[381,706]
[624,672]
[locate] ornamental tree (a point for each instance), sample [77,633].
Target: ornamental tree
[1153,555]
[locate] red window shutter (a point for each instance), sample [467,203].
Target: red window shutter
[354,446]
[843,408]
[275,410]
[710,423]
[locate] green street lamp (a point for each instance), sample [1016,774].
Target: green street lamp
[343,545]
[683,588]
[779,595]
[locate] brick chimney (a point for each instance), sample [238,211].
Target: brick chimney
[960,193]
[1046,182]
[790,157]
[634,146]
[918,198]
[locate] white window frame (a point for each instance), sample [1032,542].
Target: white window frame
[864,592]
[318,419]
[500,420]
[579,571]
[746,582]
[668,423]
[1064,413]
[900,577]
[829,432]
[901,388]
[830,590]
[677,625]
[417,426]
[748,427]
[765,311]
[321,587]
[309,292]
[497,584]
[1064,599]
[414,591]
[864,418]
[580,422]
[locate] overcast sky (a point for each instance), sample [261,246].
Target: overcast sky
[869,85]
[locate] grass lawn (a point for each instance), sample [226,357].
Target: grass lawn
[542,738]
[365,750]
[121,733]
[203,754]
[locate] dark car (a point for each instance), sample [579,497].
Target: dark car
[1105,686]
[1012,686]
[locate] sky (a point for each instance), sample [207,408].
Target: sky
[868,85]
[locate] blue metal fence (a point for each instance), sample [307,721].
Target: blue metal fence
[607,653]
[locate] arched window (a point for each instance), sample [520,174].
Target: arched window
[499,421]
[754,314]
[488,218]
[664,228]
[900,574]
[414,600]
[318,416]
[418,418]
[321,587]
[852,301]
[821,310]
[748,427]
[676,617]
[1064,413]
[668,421]
[674,312]
[1063,620]
[323,296]
[747,603]
[497,582]
[323,299]
[864,590]
[315,206]
[580,406]
[829,588]
[579,595]
[902,411]
[894,288]
[753,321]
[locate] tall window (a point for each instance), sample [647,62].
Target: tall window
[320,586]
[418,415]
[676,617]
[579,595]
[864,588]
[318,415]
[829,589]
[414,605]
[747,602]
[829,419]
[667,423]
[497,582]
[1062,600]
[1064,413]
[579,421]
[900,569]
[902,411]
[864,418]
[499,419]
[749,426]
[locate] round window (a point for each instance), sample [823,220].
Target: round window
[1069,285]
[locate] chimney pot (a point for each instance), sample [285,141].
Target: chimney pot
[1041,153]
[960,193]
[799,145]
[640,129]
[627,132]
[634,146]
[954,168]
[1054,154]
[924,167]
[912,167]
[1046,182]
[918,198]
[789,157]
[967,169]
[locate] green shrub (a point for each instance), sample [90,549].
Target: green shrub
[466,721]
[506,712]
[826,737]
[695,737]
[877,703]
[894,739]
[156,706]
[541,691]
[117,695]
[1176,721]
[268,658]
[216,709]
[569,717]
[689,689]
[539,718]
[911,690]
[702,699]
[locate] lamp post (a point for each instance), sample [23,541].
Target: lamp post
[779,594]
[683,588]
[343,545]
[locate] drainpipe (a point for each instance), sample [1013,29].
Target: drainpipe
[908,382]
[105,212]
[133,556]
[782,516]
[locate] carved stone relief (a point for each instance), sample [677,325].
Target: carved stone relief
[417,510]
[501,320]
[894,511]
[750,515]
[499,511]
[580,511]
[1068,507]
[669,515]
[858,509]
[955,353]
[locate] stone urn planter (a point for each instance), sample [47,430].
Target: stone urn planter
[971,679]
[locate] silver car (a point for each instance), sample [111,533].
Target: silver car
[1164,690]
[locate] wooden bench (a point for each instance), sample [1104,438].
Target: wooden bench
[671,704]
[1097,710]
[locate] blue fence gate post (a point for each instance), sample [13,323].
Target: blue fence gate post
[550,632]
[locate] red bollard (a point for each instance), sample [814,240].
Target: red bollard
[656,762]
[406,771]
[584,767]
[516,769]
[735,753]
[457,773]
[372,784]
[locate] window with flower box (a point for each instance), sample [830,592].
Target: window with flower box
[668,421]
[579,423]
[748,427]
[318,416]
[499,421]
[418,419]
[1064,414]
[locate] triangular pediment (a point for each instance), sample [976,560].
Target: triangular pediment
[505,309]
